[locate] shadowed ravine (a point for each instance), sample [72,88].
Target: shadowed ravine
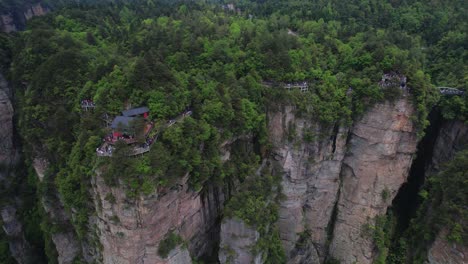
[407,201]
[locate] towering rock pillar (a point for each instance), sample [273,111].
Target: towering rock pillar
[310,157]
[380,152]
[19,247]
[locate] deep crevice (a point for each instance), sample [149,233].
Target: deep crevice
[334,136]
[407,201]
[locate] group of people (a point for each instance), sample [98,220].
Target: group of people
[393,80]
[105,150]
[87,103]
[111,139]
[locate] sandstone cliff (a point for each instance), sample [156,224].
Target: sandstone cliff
[237,243]
[130,230]
[444,252]
[19,247]
[380,151]
[452,136]
[66,242]
[14,20]
[310,176]
[359,172]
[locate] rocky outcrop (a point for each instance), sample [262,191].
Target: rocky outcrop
[130,230]
[237,243]
[179,255]
[351,175]
[14,20]
[40,166]
[67,246]
[65,240]
[19,247]
[444,252]
[380,151]
[452,137]
[7,150]
[310,156]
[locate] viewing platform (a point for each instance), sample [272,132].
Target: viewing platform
[302,86]
[87,104]
[151,134]
[450,91]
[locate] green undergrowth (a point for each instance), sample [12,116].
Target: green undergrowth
[260,193]
[444,197]
[170,242]
[443,208]
[172,56]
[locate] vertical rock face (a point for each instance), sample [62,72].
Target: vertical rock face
[179,255]
[237,243]
[7,150]
[7,23]
[65,241]
[380,151]
[443,252]
[310,179]
[453,135]
[19,247]
[130,230]
[14,20]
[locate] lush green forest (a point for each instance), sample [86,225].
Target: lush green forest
[178,55]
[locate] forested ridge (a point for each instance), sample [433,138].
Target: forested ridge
[177,55]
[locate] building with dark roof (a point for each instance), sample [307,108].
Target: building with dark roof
[136,112]
[122,122]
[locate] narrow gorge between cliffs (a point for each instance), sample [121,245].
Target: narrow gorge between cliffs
[407,201]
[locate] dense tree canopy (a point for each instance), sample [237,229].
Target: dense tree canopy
[178,55]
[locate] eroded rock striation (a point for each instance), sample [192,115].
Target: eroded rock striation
[237,243]
[380,152]
[311,170]
[353,173]
[130,231]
